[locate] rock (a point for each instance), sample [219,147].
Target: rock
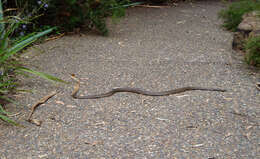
[250,22]
[249,27]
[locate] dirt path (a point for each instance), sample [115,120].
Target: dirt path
[154,49]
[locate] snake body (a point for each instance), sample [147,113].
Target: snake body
[143,92]
[137,91]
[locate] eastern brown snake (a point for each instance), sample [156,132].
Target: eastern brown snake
[138,91]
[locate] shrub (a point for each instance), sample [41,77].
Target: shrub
[71,14]
[233,14]
[155,1]
[252,47]
[159,1]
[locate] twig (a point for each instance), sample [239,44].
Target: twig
[55,37]
[239,114]
[11,115]
[258,85]
[41,101]
[149,6]
[93,143]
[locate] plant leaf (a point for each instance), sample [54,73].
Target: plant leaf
[8,100]
[3,111]
[22,44]
[41,74]
[5,118]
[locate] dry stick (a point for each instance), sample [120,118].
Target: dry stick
[11,115]
[41,101]
[55,37]
[258,85]
[149,6]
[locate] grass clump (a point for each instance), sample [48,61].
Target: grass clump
[232,16]
[252,48]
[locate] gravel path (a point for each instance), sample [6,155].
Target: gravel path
[153,49]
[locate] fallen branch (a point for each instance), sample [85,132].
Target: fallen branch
[41,101]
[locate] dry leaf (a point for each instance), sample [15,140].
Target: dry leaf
[36,122]
[71,106]
[60,102]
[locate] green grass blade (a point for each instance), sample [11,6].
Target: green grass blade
[19,46]
[41,74]
[5,118]
[1,17]
[8,100]
[3,91]
[24,38]
[24,90]
[2,26]
[23,73]
[3,111]
[7,84]
[5,36]
[128,5]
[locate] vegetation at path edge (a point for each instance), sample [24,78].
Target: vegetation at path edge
[9,67]
[232,17]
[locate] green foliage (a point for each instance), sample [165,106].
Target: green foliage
[155,1]
[232,16]
[159,1]
[3,116]
[27,13]
[40,74]
[8,66]
[70,14]
[67,14]
[252,47]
